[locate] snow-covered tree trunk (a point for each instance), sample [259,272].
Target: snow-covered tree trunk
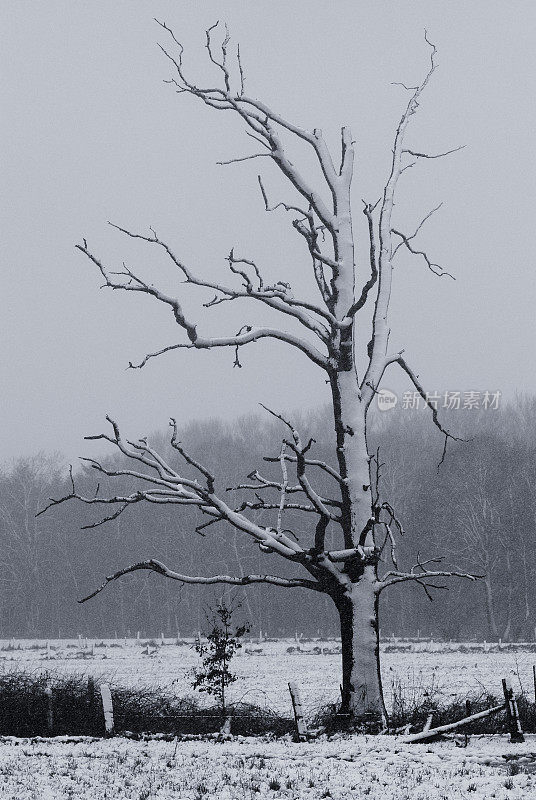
[362,693]
[357,604]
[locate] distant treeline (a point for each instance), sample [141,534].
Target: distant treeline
[477,510]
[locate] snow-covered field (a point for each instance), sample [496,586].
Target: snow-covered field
[265,668]
[379,768]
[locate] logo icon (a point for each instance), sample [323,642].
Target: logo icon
[386,399]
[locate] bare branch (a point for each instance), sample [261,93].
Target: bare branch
[168,487]
[188,458]
[417,229]
[240,70]
[102,521]
[439,155]
[276,297]
[247,282]
[286,206]
[364,553]
[433,267]
[310,233]
[250,335]
[242,158]
[244,580]
[408,88]
[266,483]
[300,451]
[261,119]
[260,141]
[200,528]
[347,156]
[399,359]
[263,505]
[310,462]
[389,536]
[223,64]
[380,329]
[392,577]
[367,211]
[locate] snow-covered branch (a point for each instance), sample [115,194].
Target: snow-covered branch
[310,462]
[394,576]
[368,211]
[133,283]
[243,580]
[380,326]
[419,573]
[168,486]
[300,450]
[261,119]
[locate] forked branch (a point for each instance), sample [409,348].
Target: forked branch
[406,242]
[167,486]
[277,298]
[420,574]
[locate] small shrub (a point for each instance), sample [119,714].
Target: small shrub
[223,642]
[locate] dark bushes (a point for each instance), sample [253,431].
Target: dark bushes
[74,707]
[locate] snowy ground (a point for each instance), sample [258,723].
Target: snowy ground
[380,768]
[264,669]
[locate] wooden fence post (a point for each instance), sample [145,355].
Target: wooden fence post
[107,708]
[301,725]
[512,714]
[50,709]
[226,727]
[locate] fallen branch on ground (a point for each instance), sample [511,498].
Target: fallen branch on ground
[431,733]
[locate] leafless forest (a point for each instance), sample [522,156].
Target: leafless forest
[477,510]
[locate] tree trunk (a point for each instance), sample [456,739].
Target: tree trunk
[352,456]
[507,630]
[362,694]
[494,631]
[357,603]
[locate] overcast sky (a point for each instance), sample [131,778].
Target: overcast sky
[91,133]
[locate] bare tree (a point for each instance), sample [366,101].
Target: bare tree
[489,534]
[25,558]
[351,575]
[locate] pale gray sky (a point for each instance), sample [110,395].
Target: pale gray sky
[90,133]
